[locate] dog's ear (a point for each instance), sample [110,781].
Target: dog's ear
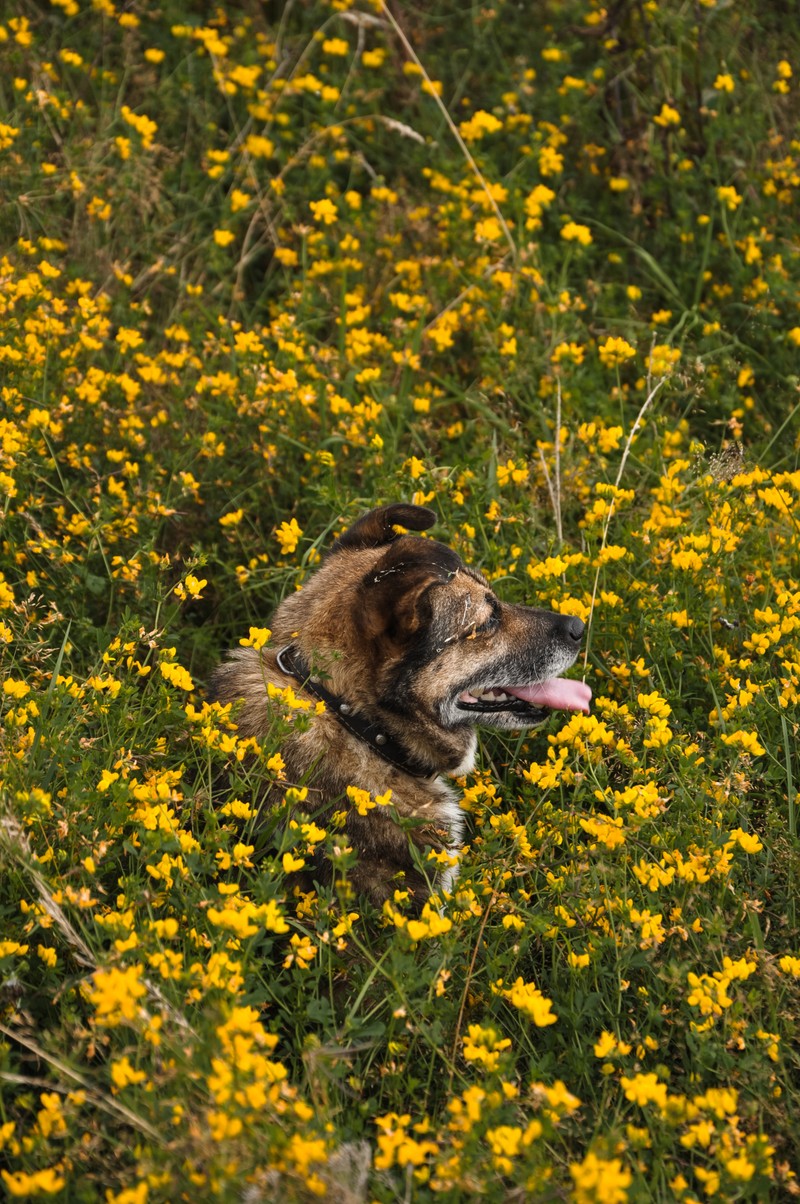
[395,595]
[376,528]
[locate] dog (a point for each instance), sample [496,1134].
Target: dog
[410,650]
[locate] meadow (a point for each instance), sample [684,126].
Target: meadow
[263,266]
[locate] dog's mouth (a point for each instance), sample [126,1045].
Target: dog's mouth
[555,694]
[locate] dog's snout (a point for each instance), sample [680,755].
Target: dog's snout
[573,628]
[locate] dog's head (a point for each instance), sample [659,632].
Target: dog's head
[400,624]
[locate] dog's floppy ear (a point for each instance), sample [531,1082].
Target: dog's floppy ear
[376,528]
[395,595]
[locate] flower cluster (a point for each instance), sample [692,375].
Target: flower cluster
[258,276]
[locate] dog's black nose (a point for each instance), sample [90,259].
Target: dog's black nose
[573,628]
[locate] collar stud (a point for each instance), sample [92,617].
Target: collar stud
[292,664]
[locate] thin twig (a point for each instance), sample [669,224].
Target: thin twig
[15,841]
[102,1101]
[548,479]
[453,128]
[13,838]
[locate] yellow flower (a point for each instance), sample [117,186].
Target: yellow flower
[239,200]
[128,339]
[47,1182]
[654,704]
[430,924]
[122,1073]
[223,237]
[724,83]
[488,230]
[600,1180]
[607,831]
[567,351]
[243,918]
[608,1044]
[245,77]
[747,840]
[176,675]
[9,947]
[573,232]
[644,1089]
[291,863]
[47,954]
[484,1045]
[128,1195]
[479,124]
[144,127]
[535,202]
[729,196]
[115,994]
[740,1167]
[397,1146]
[15,689]
[662,359]
[257,637]
[259,147]
[551,162]
[233,519]
[336,46]
[747,741]
[708,994]
[529,999]
[615,351]
[374,58]
[668,116]
[287,535]
[191,587]
[324,211]
[505,1141]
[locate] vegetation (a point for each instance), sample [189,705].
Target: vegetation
[267,267]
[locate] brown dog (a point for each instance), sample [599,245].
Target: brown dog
[409,649]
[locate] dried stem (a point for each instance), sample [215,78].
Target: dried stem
[452,127]
[108,1104]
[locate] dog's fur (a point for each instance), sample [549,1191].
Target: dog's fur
[410,637]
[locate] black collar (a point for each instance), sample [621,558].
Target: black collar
[291,662]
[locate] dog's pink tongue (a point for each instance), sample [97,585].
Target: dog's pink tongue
[559,693]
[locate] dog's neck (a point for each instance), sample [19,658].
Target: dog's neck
[371,733]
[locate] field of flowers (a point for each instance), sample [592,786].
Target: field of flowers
[265,265]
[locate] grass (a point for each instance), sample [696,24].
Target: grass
[261,274]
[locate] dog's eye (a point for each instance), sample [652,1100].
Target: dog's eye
[490,625]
